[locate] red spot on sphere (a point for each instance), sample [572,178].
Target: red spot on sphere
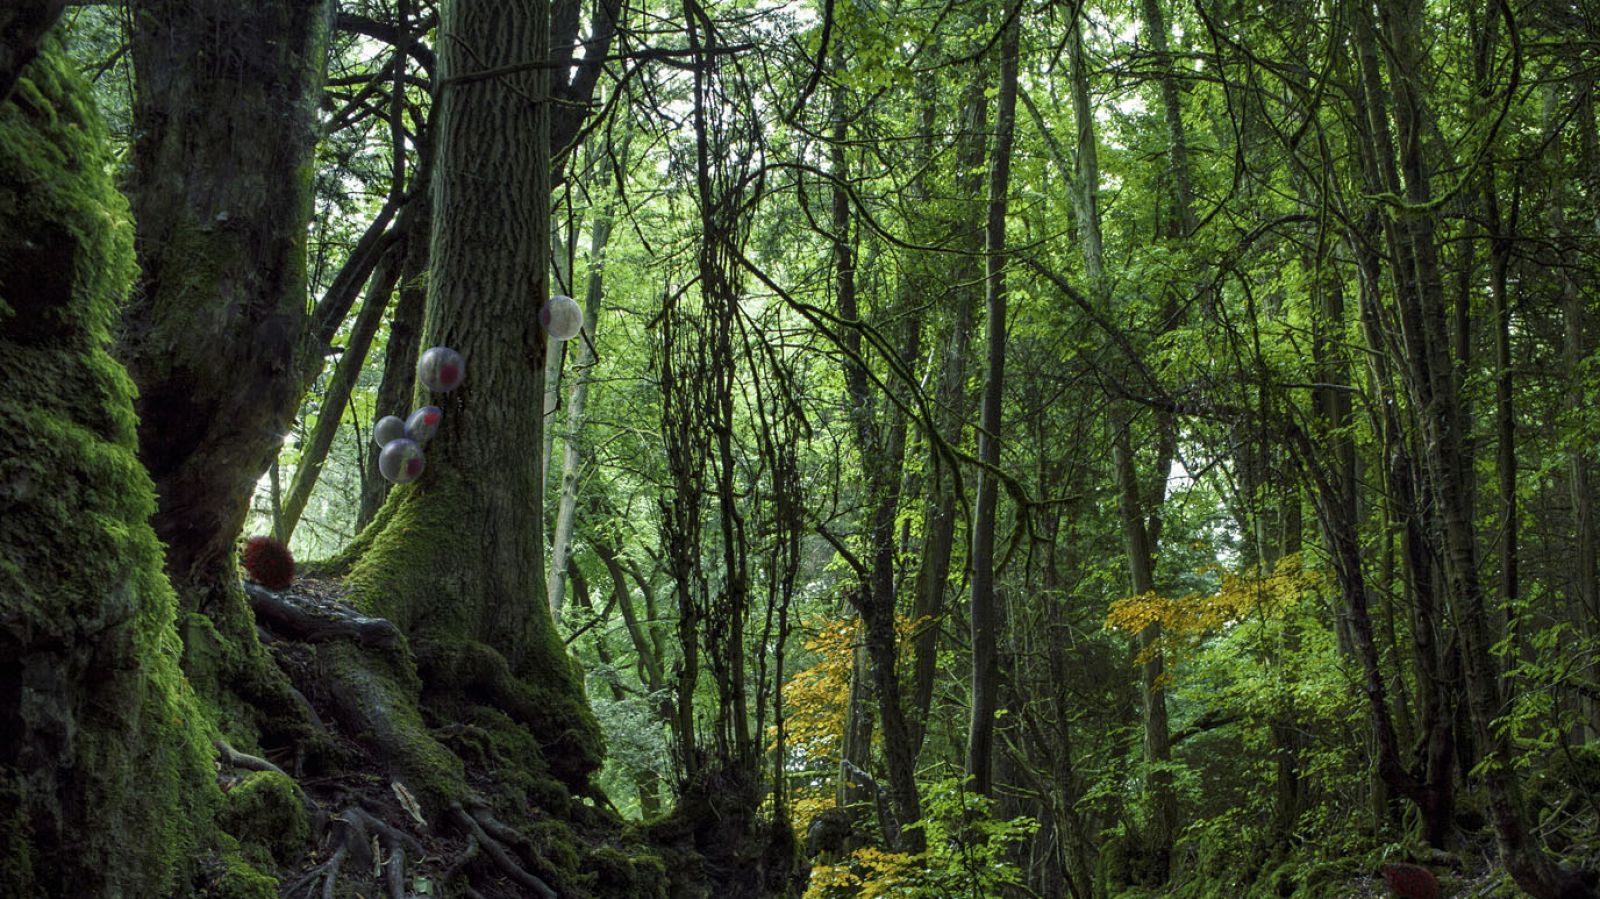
[1410,881]
[414,466]
[431,418]
[269,563]
[449,375]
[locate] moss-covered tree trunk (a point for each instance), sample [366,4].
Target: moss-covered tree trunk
[22,24]
[457,559]
[106,782]
[217,336]
[225,122]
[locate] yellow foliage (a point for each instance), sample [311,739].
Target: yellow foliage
[1240,596]
[816,702]
[870,873]
[817,699]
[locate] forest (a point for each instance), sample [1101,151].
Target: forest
[883,449]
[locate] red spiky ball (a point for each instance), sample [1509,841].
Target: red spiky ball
[269,562]
[1410,881]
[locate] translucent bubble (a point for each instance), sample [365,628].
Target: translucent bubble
[389,428]
[401,461]
[424,423]
[441,369]
[561,317]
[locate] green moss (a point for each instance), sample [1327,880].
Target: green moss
[117,744]
[379,699]
[236,878]
[554,842]
[650,875]
[266,810]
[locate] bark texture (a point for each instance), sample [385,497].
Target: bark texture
[217,335]
[456,560]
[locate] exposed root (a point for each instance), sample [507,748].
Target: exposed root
[394,871]
[358,834]
[248,762]
[496,851]
[333,872]
[467,857]
[313,620]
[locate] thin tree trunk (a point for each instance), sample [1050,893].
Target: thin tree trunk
[339,388]
[950,407]
[881,453]
[984,602]
[561,543]
[400,353]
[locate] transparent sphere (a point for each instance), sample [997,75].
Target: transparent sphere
[424,423]
[388,429]
[401,461]
[561,317]
[441,369]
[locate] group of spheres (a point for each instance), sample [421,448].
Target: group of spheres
[441,370]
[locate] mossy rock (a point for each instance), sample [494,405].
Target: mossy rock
[266,811]
[612,873]
[233,877]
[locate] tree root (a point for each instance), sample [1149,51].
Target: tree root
[359,834]
[497,851]
[243,760]
[309,620]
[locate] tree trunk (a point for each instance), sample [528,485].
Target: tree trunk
[22,26]
[984,602]
[337,394]
[217,338]
[1434,395]
[106,779]
[400,353]
[456,560]
[951,407]
[561,543]
[881,446]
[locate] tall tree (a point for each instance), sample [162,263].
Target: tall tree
[985,605]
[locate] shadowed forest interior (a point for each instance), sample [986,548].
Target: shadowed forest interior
[941,449]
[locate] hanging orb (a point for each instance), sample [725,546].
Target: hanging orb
[441,369]
[388,429]
[561,317]
[401,461]
[424,423]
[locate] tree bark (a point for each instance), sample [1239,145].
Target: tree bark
[984,601]
[217,336]
[22,26]
[456,559]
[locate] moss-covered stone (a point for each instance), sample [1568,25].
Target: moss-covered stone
[266,811]
[106,783]
[231,876]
